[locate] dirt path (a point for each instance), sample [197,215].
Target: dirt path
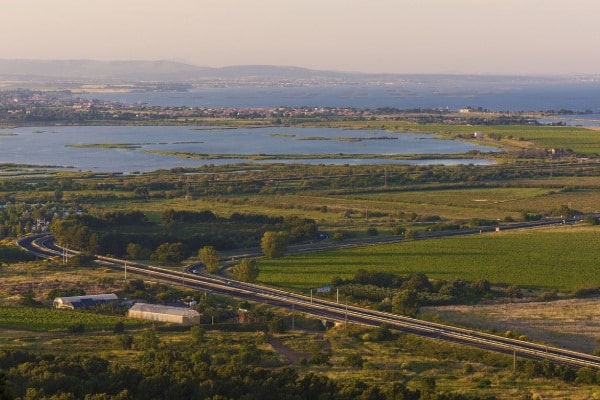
[293,356]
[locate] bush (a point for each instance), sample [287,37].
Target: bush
[354,361]
[514,292]
[124,342]
[398,231]
[588,291]
[372,231]
[548,295]
[343,235]
[277,325]
[119,328]
[76,328]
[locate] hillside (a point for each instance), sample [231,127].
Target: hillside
[167,71]
[92,71]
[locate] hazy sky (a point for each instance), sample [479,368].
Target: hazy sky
[399,36]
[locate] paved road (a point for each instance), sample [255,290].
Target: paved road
[335,245]
[43,246]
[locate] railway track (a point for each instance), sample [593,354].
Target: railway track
[44,246]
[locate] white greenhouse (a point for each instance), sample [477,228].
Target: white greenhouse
[73,302]
[155,312]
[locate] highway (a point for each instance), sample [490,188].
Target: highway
[375,240]
[43,246]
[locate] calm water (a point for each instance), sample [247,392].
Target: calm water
[495,96]
[52,146]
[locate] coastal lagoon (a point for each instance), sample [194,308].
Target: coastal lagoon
[129,149]
[453,93]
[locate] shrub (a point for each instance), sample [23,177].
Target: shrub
[587,291]
[354,361]
[76,328]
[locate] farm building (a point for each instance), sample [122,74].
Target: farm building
[154,312]
[92,300]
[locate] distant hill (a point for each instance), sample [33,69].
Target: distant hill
[69,73]
[169,71]
[97,70]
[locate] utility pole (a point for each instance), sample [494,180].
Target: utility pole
[346,317]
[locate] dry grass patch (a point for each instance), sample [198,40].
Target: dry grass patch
[573,324]
[42,277]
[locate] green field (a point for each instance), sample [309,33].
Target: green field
[580,140]
[554,258]
[49,319]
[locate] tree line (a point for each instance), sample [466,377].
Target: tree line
[191,375]
[406,294]
[117,233]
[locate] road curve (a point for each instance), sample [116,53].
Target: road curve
[43,246]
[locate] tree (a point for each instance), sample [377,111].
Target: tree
[82,260]
[274,244]
[417,282]
[564,211]
[587,376]
[148,340]
[406,302]
[372,231]
[124,341]
[246,270]
[141,192]
[397,230]
[426,384]
[277,325]
[119,328]
[211,258]
[481,287]
[5,392]
[169,253]
[135,251]
[58,195]
[353,361]
[197,334]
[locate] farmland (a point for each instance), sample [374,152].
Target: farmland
[360,200]
[45,319]
[529,259]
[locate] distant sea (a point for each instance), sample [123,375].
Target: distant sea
[452,95]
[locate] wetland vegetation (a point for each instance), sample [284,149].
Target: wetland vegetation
[231,207]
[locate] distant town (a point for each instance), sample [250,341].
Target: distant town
[31,107]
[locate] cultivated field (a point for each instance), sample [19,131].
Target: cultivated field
[559,258]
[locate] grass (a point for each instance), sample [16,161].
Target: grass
[405,359]
[569,323]
[531,259]
[307,156]
[580,140]
[49,319]
[125,146]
